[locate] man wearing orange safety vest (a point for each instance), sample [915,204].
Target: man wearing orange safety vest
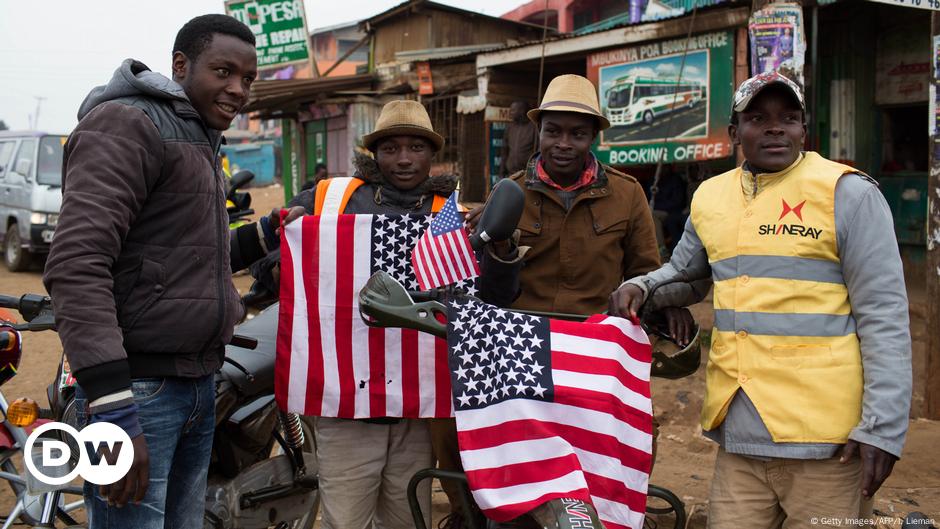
[365,465]
[808,382]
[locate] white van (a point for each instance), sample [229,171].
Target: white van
[30,194]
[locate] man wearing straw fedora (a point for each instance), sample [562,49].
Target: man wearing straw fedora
[586,226]
[365,464]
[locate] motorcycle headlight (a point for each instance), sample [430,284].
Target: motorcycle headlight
[38,218]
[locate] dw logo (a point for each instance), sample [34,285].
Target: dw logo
[105,454]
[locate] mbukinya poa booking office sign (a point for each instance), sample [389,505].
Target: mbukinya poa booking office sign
[664,101]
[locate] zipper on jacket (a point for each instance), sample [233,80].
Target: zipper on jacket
[220,282]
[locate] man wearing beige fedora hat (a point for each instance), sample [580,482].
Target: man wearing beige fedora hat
[365,465]
[586,226]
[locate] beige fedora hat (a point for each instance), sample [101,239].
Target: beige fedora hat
[570,93]
[403,118]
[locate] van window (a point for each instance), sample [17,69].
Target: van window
[50,160]
[6,153]
[27,151]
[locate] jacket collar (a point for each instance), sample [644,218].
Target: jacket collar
[532,180]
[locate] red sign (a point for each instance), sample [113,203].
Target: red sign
[425,84]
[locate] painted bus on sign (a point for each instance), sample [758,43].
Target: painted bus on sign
[632,99]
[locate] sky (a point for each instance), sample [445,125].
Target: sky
[60,49]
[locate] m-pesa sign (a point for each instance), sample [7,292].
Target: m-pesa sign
[279,27]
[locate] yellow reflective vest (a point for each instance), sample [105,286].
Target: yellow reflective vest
[784,331]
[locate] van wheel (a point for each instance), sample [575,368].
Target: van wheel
[648,117]
[14,256]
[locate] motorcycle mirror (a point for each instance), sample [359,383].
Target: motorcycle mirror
[240,179]
[501,214]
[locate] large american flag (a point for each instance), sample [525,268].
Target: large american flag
[443,256]
[552,409]
[329,363]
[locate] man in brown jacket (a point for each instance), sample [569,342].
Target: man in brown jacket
[140,268]
[586,227]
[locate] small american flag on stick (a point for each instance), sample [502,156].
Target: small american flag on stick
[443,254]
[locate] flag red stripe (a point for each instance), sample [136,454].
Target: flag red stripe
[285,325]
[523,473]
[600,401]
[523,430]
[345,240]
[638,351]
[377,372]
[446,259]
[604,487]
[453,248]
[411,404]
[442,391]
[310,261]
[599,366]
[504,513]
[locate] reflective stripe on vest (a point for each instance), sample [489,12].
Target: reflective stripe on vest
[333,194]
[784,331]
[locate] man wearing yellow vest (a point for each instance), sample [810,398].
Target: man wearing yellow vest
[808,383]
[365,465]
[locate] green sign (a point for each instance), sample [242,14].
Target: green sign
[279,27]
[667,100]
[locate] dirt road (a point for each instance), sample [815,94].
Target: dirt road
[685,458]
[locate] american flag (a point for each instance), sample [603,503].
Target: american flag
[443,255]
[329,363]
[552,409]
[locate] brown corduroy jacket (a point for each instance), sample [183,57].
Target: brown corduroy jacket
[580,256]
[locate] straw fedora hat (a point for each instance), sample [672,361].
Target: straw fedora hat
[403,118]
[570,93]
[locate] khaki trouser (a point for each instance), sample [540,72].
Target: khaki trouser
[365,469]
[786,493]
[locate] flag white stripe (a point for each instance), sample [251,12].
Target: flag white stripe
[604,384]
[634,332]
[453,243]
[534,450]
[492,498]
[426,371]
[591,348]
[616,512]
[468,257]
[445,254]
[393,386]
[362,266]
[524,409]
[327,307]
[300,346]
[431,278]
[437,265]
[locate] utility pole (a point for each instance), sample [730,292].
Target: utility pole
[35,120]
[932,386]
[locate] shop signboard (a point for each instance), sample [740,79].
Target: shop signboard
[665,100]
[778,42]
[279,27]
[920,4]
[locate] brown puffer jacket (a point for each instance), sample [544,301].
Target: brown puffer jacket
[580,256]
[139,268]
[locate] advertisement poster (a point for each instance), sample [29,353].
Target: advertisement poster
[665,101]
[496,131]
[902,68]
[778,42]
[649,10]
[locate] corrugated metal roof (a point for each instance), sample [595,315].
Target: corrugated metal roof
[444,53]
[287,95]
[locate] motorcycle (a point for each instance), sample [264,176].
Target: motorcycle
[263,468]
[384,302]
[37,504]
